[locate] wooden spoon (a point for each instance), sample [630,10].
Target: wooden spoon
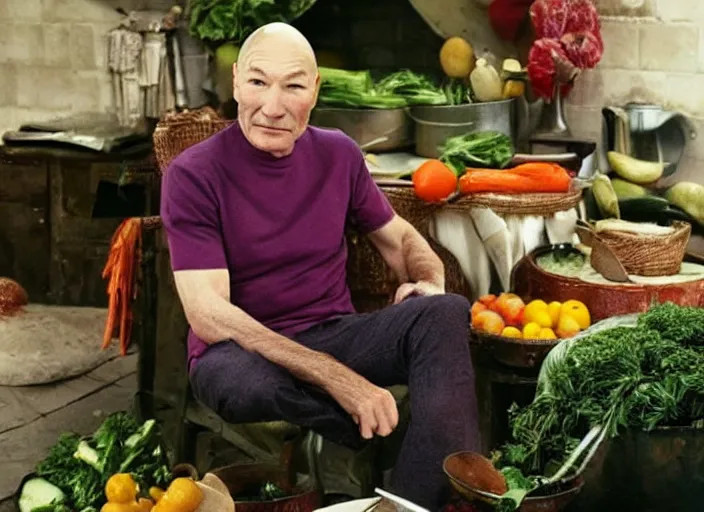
[476,472]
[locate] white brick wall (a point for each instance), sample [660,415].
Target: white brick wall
[654,53]
[52,58]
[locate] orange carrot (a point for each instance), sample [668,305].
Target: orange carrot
[120,272]
[511,181]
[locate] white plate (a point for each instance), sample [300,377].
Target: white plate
[350,506]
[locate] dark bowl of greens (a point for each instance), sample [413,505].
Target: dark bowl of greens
[552,498]
[267,487]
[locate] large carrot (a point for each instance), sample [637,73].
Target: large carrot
[120,272]
[511,181]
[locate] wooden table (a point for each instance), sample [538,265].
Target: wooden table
[49,240]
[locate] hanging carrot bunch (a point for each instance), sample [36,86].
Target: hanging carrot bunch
[119,270]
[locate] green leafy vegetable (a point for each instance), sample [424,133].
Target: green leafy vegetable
[415,88]
[457,93]
[490,149]
[81,467]
[220,21]
[340,87]
[643,376]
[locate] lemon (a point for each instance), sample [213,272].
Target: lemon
[546,334]
[554,309]
[578,311]
[568,326]
[531,331]
[537,312]
[511,332]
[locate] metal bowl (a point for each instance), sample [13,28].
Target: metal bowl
[552,502]
[374,130]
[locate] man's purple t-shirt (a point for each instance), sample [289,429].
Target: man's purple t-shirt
[276,224]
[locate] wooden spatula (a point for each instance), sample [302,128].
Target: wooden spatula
[603,260]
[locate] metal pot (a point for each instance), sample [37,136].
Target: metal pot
[375,130]
[435,124]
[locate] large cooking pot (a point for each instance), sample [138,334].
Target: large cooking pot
[374,129]
[435,124]
[530,281]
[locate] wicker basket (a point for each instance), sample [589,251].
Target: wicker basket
[543,204]
[178,131]
[649,255]
[371,282]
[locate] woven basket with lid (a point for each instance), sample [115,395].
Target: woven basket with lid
[649,255]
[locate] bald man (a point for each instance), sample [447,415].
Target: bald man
[255,218]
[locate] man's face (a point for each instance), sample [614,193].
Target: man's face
[275,88]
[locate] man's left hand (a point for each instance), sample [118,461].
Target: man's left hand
[419,288]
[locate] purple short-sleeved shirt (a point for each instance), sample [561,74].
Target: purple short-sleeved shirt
[276,224]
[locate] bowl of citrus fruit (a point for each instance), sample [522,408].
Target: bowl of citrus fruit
[521,333]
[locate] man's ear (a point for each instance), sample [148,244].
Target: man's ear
[318,83]
[235,91]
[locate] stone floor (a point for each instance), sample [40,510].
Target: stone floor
[32,417]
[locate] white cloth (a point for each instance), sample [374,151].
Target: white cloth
[481,239]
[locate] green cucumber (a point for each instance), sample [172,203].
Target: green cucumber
[642,209]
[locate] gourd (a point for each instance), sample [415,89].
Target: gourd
[688,196]
[486,82]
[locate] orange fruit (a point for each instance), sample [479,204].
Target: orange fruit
[488,321]
[121,488]
[578,311]
[433,181]
[477,308]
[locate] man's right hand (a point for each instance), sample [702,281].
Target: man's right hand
[371,407]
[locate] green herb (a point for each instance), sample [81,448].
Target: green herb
[490,149]
[220,21]
[641,376]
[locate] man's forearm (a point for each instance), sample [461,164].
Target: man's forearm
[422,264]
[220,320]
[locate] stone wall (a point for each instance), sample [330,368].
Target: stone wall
[654,53]
[52,54]
[53,58]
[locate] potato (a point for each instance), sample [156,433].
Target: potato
[457,57]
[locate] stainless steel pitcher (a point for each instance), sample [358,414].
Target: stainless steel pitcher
[647,132]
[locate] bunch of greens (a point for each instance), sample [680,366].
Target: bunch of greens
[489,149]
[457,92]
[415,88]
[220,21]
[343,88]
[636,377]
[340,87]
[80,467]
